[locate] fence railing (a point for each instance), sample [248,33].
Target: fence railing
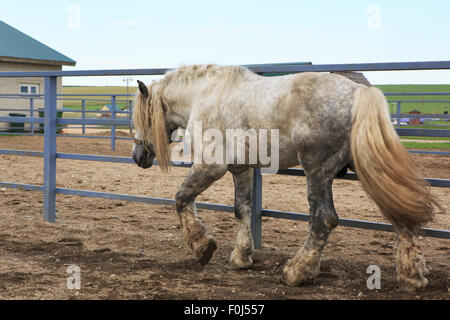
[50,155]
[115,111]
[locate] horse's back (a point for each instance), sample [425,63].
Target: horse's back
[292,98]
[322,108]
[312,111]
[305,107]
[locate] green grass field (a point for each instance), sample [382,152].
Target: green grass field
[406,107]
[426,138]
[96,105]
[430,126]
[426,145]
[424,107]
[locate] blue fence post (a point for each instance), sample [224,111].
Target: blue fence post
[113,127]
[32,114]
[50,149]
[399,108]
[83,115]
[256,217]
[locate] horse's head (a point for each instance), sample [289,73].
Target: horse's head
[150,139]
[143,151]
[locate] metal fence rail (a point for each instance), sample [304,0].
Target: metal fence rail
[361,224]
[50,155]
[114,102]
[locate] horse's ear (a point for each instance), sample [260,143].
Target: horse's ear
[143,89]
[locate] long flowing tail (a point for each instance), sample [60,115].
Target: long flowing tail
[383,165]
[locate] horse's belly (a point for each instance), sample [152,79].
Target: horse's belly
[288,157]
[285,157]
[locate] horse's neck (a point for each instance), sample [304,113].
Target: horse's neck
[178,118]
[182,101]
[186,96]
[179,110]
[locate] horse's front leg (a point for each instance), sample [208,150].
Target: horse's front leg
[194,233]
[241,257]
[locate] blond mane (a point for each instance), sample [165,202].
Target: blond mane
[209,72]
[148,114]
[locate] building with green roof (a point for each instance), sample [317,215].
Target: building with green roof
[20,52]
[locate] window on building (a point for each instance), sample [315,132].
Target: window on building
[29,89]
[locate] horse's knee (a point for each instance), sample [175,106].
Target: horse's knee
[331,220]
[237,213]
[241,210]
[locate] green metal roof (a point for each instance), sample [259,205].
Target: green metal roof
[16,44]
[274,74]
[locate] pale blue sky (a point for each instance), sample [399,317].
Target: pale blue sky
[143,34]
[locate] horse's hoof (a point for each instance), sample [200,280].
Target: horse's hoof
[411,285]
[297,272]
[298,280]
[411,267]
[206,251]
[237,262]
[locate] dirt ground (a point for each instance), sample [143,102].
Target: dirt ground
[131,250]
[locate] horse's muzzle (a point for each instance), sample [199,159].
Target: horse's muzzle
[143,155]
[144,162]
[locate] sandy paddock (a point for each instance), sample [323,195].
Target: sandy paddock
[134,251]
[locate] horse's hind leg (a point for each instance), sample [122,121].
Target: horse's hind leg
[411,265]
[194,233]
[305,265]
[241,257]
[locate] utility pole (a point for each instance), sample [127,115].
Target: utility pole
[127,80]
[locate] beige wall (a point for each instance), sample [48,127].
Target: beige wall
[12,86]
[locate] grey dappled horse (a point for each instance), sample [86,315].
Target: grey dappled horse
[325,122]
